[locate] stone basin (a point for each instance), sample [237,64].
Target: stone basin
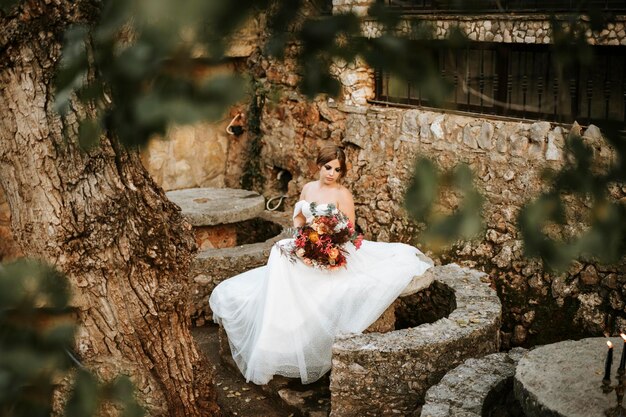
[389,373]
[215,213]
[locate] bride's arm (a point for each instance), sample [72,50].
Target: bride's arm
[299,219]
[346,204]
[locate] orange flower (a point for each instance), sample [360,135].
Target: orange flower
[333,253]
[314,237]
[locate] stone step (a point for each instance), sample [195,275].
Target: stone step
[475,388]
[234,395]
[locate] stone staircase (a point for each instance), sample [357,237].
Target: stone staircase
[387,370]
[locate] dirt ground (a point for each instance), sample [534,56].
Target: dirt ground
[234,395]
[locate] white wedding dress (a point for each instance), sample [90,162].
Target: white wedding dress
[282,318]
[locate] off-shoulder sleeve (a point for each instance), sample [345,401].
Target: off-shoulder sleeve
[297,209]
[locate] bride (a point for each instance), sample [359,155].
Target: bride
[282,318]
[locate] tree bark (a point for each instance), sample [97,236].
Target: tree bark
[100,218]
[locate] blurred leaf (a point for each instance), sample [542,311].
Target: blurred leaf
[61,335]
[5,5]
[388,17]
[122,391]
[281,16]
[89,131]
[422,190]
[72,70]
[84,400]
[26,283]
[441,230]
[605,235]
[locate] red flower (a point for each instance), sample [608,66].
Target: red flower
[318,244]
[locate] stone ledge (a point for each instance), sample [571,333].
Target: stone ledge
[466,389]
[216,206]
[389,373]
[212,266]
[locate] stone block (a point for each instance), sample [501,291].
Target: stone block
[553,150]
[424,123]
[217,206]
[410,123]
[589,276]
[437,128]
[469,137]
[485,136]
[386,322]
[539,131]
[215,237]
[519,144]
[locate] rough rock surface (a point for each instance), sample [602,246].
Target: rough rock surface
[216,206]
[464,390]
[8,246]
[564,379]
[389,373]
[506,28]
[189,156]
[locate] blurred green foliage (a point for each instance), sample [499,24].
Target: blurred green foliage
[421,197]
[252,176]
[143,65]
[139,64]
[605,235]
[37,329]
[142,52]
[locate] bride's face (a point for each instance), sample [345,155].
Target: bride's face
[330,172]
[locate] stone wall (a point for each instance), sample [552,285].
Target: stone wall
[197,155]
[529,29]
[189,156]
[507,157]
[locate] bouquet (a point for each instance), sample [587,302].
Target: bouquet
[321,242]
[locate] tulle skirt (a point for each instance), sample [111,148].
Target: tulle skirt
[282,318]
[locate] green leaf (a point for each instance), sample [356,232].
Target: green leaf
[422,190]
[89,132]
[84,400]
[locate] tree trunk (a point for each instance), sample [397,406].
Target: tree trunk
[100,218]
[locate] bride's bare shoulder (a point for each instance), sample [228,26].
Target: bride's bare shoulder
[306,188]
[309,185]
[344,192]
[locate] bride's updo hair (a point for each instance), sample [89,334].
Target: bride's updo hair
[328,153]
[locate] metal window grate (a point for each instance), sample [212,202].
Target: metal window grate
[518,80]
